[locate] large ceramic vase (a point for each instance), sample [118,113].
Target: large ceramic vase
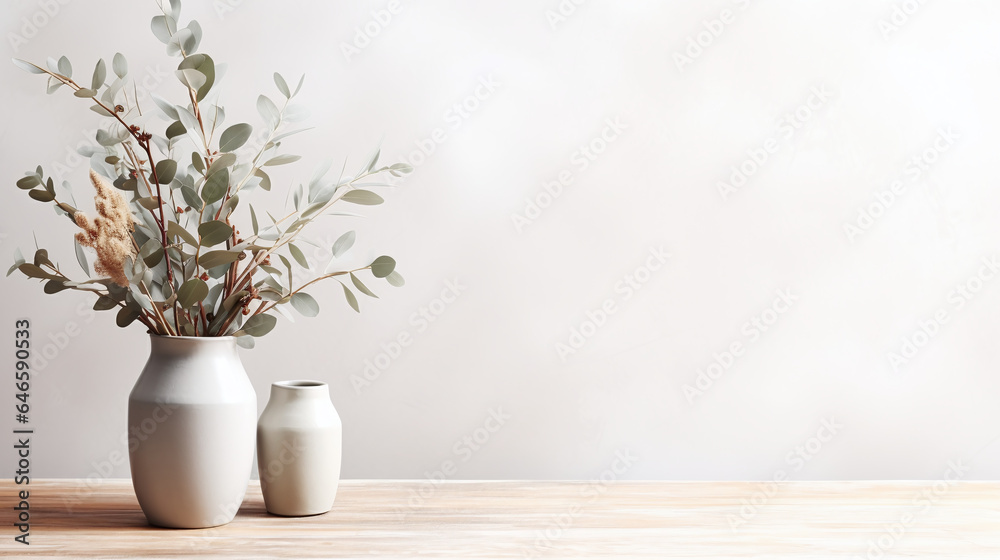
[299,449]
[191,419]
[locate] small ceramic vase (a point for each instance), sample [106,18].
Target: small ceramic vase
[299,449]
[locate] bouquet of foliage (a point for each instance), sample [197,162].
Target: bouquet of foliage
[167,252]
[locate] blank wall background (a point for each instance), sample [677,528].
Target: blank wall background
[764,150]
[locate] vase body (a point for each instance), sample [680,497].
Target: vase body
[191,418]
[299,438]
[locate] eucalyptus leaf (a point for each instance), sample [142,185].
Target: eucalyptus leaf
[175,230]
[282,86]
[192,292]
[191,78]
[246,341]
[81,257]
[160,26]
[119,65]
[352,300]
[165,171]
[206,67]
[234,137]
[383,266]
[363,197]
[175,129]
[213,259]
[65,68]
[54,287]
[395,279]
[100,73]
[104,303]
[268,110]
[151,252]
[41,195]
[27,66]
[127,315]
[101,111]
[168,109]
[216,186]
[361,287]
[305,304]
[343,243]
[214,232]
[298,255]
[282,159]
[28,182]
[253,220]
[258,325]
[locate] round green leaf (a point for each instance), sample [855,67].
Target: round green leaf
[165,171]
[191,292]
[216,186]
[119,65]
[305,304]
[383,266]
[127,315]
[258,325]
[395,279]
[234,137]
[214,232]
[28,182]
[41,195]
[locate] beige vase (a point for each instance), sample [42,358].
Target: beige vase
[299,449]
[191,432]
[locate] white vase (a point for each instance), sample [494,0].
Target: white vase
[191,419]
[299,449]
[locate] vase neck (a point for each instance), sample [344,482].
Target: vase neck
[184,347]
[289,391]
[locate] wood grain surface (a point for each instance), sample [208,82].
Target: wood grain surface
[519,519]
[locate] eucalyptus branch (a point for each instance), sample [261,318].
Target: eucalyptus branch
[307,284]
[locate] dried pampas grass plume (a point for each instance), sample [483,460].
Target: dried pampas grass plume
[110,233]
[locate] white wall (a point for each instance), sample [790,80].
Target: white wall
[826,356]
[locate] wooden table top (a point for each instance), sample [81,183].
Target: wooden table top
[519,519]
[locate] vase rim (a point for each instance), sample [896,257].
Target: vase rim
[168,337]
[300,384]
